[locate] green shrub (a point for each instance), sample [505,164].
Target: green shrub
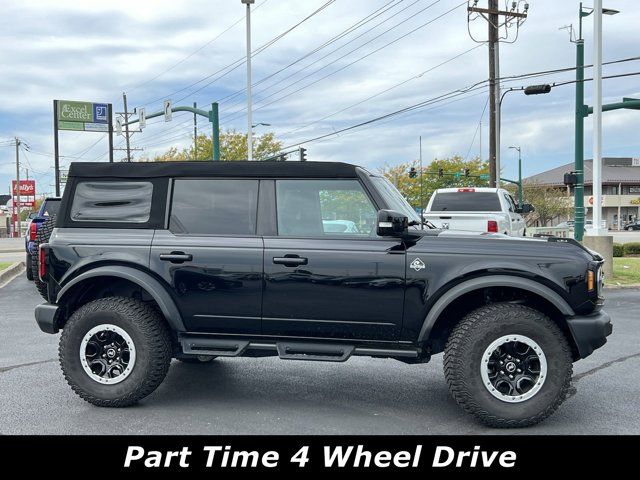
[632,248]
[618,250]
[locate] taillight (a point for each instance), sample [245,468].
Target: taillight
[42,262]
[492,226]
[33,231]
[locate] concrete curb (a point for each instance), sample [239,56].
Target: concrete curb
[10,272]
[622,287]
[12,250]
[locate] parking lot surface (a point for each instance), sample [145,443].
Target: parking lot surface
[273,396]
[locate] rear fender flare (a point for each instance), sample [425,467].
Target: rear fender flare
[142,279]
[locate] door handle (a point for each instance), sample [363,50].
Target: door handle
[176,257]
[290,260]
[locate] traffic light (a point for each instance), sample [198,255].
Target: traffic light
[303,154]
[537,89]
[570,178]
[466,172]
[441,172]
[413,173]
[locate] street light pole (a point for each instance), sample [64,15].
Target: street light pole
[582,111]
[578,167]
[519,175]
[248,3]
[597,117]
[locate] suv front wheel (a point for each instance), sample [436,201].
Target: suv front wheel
[508,365]
[115,351]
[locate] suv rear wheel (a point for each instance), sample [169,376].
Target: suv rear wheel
[508,365]
[115,351]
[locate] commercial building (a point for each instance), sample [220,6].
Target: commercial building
[620,188]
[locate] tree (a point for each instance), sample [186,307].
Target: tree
[453,170]
[233,146]
[548,201]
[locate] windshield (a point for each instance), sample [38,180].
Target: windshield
[394,199]
[50,208]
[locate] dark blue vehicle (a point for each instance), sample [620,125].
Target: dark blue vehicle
[197,260]
[48,210]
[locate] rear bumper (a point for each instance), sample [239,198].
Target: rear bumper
[590,332]
[46,314]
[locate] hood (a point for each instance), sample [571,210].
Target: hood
[539,244]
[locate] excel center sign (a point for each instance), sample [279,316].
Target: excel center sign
[83,116]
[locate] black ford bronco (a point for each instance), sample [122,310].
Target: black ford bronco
[306,261]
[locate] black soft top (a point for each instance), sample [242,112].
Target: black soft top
[213,169]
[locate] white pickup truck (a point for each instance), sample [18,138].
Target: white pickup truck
[476,209]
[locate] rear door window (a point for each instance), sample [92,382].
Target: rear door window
[214,207]
[466,202]
[117,202]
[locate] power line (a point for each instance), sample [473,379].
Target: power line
[404,82]
[337,49]
[332,40]
[196,51]
[351,63]
[431,101]
[232,66]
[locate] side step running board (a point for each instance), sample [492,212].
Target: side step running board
[219,347]
[200,344]
[314,351]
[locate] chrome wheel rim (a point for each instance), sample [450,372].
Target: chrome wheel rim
[513,368]
[107,354]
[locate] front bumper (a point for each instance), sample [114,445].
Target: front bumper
[46,314]
[590,332]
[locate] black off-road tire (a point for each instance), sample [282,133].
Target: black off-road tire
[43,235]
[197,359]
[28,270]
[150,336]
[463,356]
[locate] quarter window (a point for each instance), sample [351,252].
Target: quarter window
[324,208]
[214,207]
[118,202]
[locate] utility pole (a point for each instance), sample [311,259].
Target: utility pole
[248,3]
[127,132]
[126,125]
[195,133]
[493,15]
[17,202]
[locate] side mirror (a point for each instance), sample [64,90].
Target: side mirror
[527,208]
[391,224]
[32,215]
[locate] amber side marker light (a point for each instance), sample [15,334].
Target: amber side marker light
[591,280]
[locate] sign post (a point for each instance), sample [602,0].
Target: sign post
[22,197]
[80,117]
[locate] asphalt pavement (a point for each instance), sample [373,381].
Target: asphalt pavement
[273,396]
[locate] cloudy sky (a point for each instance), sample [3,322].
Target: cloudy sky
[352,61]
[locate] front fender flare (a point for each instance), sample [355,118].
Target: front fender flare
[142,279]
[491,281]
